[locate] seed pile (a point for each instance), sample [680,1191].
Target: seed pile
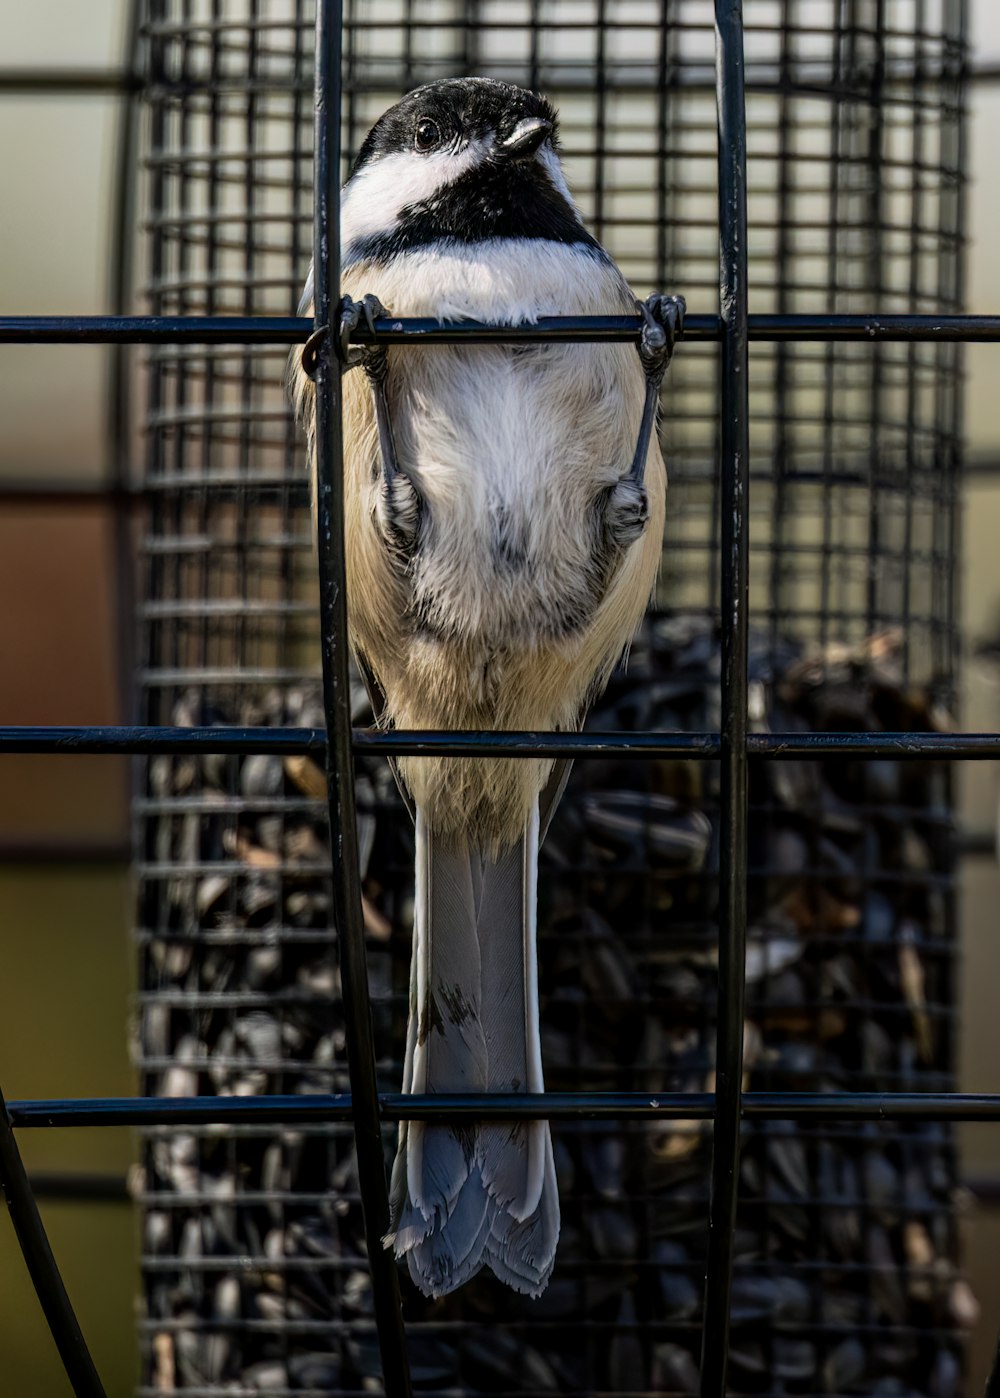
[846,1277]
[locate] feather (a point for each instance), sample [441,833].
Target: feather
[511,1155]
[462,1198]
[382,721]
[522,1253]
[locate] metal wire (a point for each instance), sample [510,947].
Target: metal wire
[42,1266]
[413,331]
[734,466]
[789,747]
[348,919]
[493,1106]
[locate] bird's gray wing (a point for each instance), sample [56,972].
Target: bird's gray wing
[551,794]
[376,696]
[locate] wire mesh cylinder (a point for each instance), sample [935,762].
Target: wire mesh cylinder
[846,1279]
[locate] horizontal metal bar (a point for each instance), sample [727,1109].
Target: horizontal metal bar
[203,29]
[76,82]
[79,1186]
[289,330]
[427,743]
[68,82]
[977,843]
[615,329]
[904,746]
[787,746]
[151,330]
[103,740]
[59,493]
[554,1106]
[93,853]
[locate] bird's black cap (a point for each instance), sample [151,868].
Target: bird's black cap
[463,109]
[484,180]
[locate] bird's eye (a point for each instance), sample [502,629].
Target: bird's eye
[427,135]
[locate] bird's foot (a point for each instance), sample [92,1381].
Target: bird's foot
[627,509]
[351,314]
[626,513]
[397,511]
[662,327]
[373,357]
[397,505]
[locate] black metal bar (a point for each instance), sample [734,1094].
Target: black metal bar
[126,739]
[80,1186]
[82,82]
[968,843]
[976,844]
[68,82]
[734,592]
[412,331]
[22,490]
[117,419]
[787,747]
[42,1267]
[985,1186]
[993,1380]
[348,919]
[641,22]
[942,747]
[151,330]
[91,853]
[559,1106]
[775,746]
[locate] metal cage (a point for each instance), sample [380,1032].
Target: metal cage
[751,885]
[853,123]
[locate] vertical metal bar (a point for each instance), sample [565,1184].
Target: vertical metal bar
[42,1267]
[950,515]
[831,587]
[784,430]
[734,583]
[879,489]
[914,458]
[336,697]
[600,119]
[118,418]
[993,1381]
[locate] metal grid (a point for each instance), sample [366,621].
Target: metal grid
[733,745]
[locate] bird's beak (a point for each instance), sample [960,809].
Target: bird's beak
[526,137]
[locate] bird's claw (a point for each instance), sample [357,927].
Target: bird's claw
[662,327]
[373,357]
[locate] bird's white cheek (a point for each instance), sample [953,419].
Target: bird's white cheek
[373,201]
[550,162]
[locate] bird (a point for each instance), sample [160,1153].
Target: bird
[503,519]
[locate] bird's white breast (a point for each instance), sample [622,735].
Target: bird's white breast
[510,447]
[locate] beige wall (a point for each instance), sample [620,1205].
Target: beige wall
[979,1040]
[64,926]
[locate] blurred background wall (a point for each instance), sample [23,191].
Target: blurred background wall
[64,883]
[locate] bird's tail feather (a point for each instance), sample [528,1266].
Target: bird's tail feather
[485,1195]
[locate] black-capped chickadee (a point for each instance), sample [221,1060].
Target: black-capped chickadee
[504,516]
